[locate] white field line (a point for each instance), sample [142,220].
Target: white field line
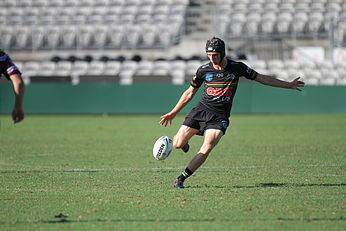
[24,168]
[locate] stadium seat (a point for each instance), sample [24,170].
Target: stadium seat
[47,68]
[100,36]
[6,36]
[191,67]
[95,68]
[145,68]
[275,64]
[38,37]
[341,81]
[22,37]
[52,36]
[284,20]
[84,36]
[30,68]
[294,73]
[115,35]
[314,21]
[312,81]
[63,68]
[161,68]
[267,22]
[112,68]
[79,68]
[258,64]
[299,22]
[251,24]
[327,81]
[290,63]
[236,23]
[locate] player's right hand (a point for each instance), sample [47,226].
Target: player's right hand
[167,118]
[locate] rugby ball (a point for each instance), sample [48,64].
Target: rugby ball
[162,148]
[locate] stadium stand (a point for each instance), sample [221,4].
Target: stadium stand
[158,30]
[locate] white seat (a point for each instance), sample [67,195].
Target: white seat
[178,65]
[341,81]
[325,64]
[52,36]
[31,68]
[145,68]
[315,21]
[275,64]
[257,64]
[47,68]
[63,68]
[307,64]
[100,36]
[299,22]
[328,81]
[286,7]
[95,68]
[279,73]
[163,36]
[112,68]
[312,73]
[115,34]
[68,35]
[267,22]
[252,21]
[236,23]
[284,20]
[290,63]
[84,36]
[312,81]
[161,68]
[79,68]
[6,36]
[294,73]
[148,34]
[23,35]
[132,36]
[192,66]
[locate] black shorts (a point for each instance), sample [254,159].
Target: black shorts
[203,119]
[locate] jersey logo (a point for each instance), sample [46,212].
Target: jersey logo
[209,77]
[224,124]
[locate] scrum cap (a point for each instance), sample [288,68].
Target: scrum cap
[216,45]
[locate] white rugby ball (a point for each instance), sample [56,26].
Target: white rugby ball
[162,148]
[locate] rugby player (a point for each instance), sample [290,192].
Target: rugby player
[11,73]
[211,115]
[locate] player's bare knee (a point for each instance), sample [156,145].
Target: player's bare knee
[177,144]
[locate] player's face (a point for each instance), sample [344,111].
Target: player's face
[214,57]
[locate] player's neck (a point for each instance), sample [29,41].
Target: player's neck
[221,65]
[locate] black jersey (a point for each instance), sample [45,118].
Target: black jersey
[7,67]
[220,85]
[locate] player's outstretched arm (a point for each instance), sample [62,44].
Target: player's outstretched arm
[184,99]
[274,82]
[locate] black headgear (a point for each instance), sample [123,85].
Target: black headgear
[216,45]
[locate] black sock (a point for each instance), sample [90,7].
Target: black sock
[185,174]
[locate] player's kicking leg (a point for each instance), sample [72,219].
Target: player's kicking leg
[181,139]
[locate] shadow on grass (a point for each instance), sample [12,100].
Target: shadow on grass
[270,185]
[285,219]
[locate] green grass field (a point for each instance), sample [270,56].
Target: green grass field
[269,172]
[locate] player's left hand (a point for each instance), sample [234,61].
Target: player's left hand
[17,115]
[297,84]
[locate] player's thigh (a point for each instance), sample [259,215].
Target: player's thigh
[183,135]
[211,138]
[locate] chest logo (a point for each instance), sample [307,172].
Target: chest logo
[208,77]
